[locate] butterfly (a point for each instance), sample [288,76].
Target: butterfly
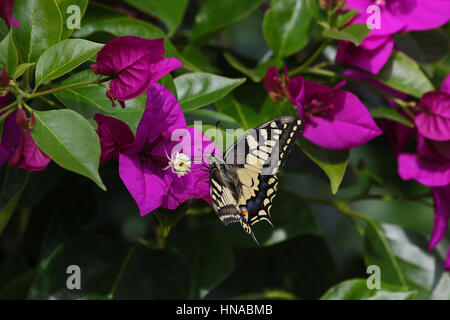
[244,182]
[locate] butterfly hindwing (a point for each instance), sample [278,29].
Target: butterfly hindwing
[259,206]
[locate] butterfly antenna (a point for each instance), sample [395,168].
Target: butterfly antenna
[195,185]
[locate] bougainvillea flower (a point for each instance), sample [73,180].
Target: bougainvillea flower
[395,16]
[134,64]
[398,134]
[402,15]
[369,59]
[6,13]
[275,86]
[358,75]
[11,134]
[430,166]
[441,218]
[445,85]
[4,79]
[28,155]
[145,164]
[434,119]
[114,135]
[334,118]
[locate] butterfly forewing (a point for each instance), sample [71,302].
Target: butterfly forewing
[248,172]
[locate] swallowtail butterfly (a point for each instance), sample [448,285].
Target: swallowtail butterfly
[244,182]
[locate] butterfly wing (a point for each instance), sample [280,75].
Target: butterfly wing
[249,172]
[266,147]
[224,195]
[264,150]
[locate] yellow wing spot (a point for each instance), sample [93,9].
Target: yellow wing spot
[273,125]
[277,131]
[252,143]
[270,191]
[263,134]
[266,202]
[271,180]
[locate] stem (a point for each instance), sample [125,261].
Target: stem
[50,102]
[310,59]
[9,106]
[385,197]
[122,269]
[332,74]
[3,116]
[27,107]
[77,84]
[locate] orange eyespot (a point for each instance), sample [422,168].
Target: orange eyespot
[244,212]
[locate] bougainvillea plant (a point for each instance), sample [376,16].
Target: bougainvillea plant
[109,109]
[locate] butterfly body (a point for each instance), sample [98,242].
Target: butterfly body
[244,183]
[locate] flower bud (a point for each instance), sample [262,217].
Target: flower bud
[4,79]
[22,119]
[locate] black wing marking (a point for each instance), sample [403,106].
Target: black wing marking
[244,187]
[266,147]
[259,206]
[223,198]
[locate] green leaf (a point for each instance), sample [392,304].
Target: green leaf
[288,223]
[210,260]
[425,46]
[41,27]
[355,33]
[197,56]
[119,272]
[244,114]
[210,117]
[199,89]
[404,259]
[8,54]
[314,9]
[167,81]
[18,287]
[91,99]
[21,69]
[169,12]
[345,17]
[70,141]
[63,57]
[286,26]
[68,15]
[332,162]
[124,26]
[168,219]
[216,15]
[404,74]
[390,113]
[257,73]
[356,289]
[153,274]
[13,183]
